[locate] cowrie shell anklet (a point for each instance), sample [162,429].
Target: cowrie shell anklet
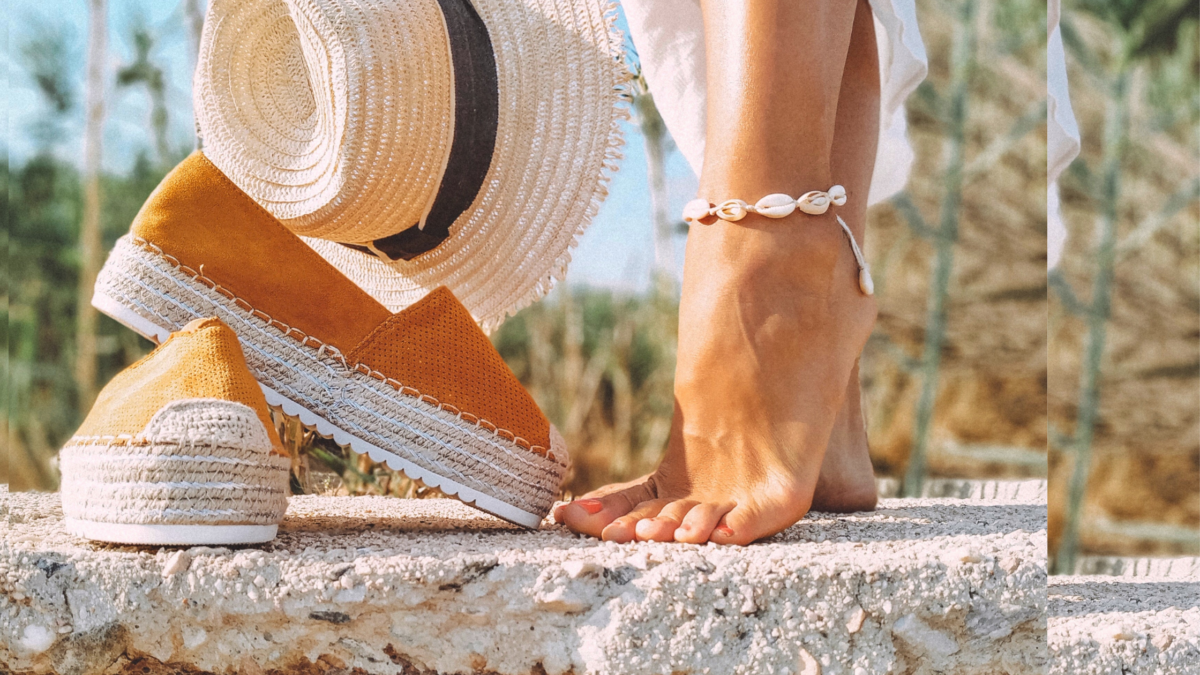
[779,205]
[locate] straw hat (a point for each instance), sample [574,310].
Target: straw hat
[419,143]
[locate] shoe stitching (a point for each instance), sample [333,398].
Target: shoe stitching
[175,511]
[137,441]
[185,459]
[181,485]
[259,458]
[324,348]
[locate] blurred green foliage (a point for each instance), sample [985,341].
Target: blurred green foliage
[602,366]
[44,200]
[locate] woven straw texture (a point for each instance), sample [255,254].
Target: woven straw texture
[337,116]
[290,96]
[198,462]
[356,400]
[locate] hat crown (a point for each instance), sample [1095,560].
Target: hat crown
[324,111]
[492,123]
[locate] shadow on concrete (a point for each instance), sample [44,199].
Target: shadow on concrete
[919,521]
[472,529]
[1097,596]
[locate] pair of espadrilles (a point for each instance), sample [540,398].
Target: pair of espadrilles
[179,449]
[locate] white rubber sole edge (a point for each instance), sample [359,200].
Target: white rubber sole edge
[170,535]
[159,334]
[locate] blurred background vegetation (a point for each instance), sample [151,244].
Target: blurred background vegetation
[1124,379]
[955,376]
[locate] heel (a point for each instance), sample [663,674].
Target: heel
[202,472]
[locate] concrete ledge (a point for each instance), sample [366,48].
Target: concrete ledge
[379,585]
[1144,617]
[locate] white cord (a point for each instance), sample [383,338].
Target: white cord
[865,283]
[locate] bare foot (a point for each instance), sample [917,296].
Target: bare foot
[771,324]
[771,319]
[847,480]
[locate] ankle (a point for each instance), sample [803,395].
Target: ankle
[758,251]
[749,183]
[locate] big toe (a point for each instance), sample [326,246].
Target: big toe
[591,515]
[602,491]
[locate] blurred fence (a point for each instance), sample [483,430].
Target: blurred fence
[1125,378]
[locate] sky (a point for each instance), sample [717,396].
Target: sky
[617,252]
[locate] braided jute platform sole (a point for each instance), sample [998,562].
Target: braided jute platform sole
[201,472]
[153,294]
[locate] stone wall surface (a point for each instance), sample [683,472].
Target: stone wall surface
[381,585]
[1142,619]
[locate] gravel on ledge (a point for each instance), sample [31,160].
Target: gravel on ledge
[1145,618]
[381,585]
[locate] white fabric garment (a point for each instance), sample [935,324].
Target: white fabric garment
[1062,133]
[669,38]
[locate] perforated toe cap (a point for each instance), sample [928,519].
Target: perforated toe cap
[434,350]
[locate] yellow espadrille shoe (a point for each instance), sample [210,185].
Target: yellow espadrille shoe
[422,389]
[179,449]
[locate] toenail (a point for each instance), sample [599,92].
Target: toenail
[725,530]
[592,506]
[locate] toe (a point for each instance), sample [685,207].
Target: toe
[623,529]
[591,515]
[697,526]
[741,526]
[662,527]
[559,513]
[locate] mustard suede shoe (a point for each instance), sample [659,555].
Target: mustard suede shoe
[422,390]
[179,449]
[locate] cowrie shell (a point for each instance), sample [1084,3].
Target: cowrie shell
[696,210]
[813,203]
[865,283]
[732,209]
[777,205]
[837,194]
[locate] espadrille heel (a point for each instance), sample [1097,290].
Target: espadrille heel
[423,389]
[204,468]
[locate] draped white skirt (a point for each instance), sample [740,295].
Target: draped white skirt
[669,37]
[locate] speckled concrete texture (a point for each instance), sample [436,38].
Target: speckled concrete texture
[1144,619]
[380,585]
